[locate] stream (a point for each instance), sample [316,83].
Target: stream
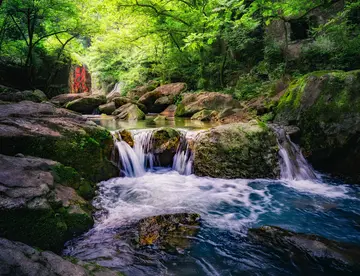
[302,201]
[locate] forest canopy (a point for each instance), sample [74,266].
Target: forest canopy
[210,44]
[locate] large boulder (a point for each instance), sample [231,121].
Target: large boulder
[305,247]
[38,206]
[194,102]
[204,115]
[129,112]
[165,142]
[42,130]
[326,107]
[87,104]
[136,93]
[8,94]
[18,259]
[240,150]
[107,108]
[63,99]
[163,96]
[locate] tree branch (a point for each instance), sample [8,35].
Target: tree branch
[18,27]
[48,35]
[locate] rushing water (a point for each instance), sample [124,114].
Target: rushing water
[301,201]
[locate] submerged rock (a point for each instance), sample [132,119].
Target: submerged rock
[129,112]
[165,142]
[38,205]
[87,104]
[194,102]
[63,99]
[157,100]
[8,94]
[326,107]
[170,231]
[45,131]
[19,259]
[240,150]
[305,244]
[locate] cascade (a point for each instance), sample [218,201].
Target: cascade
[135,161]
[293,164]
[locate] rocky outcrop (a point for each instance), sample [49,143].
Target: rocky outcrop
[204,115]
[38,205]
[169,111]
[168,231]
[165,142]
[8,94]
[326,107]
[129,112]
[194,102]
[19,259]
[42,130]
[305,246]
[108,108]
[136,93]
[240,150]
[62,99]
[87,104]
[163,96]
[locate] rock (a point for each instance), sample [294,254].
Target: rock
[125,135]
[165,142]
[326,107]
[160,118]
[63,99]
[240,150]
[168,231]
[111,96]
[87,104]
[8,94]
[42,130]
[120,101]
[108,108]
[37,206]
[157,100]
[137,92]
[169,111]
[195,102]
[204,115]
[18,259]
[305,245]
[129,112]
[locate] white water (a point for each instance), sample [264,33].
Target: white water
[134,162]
[292,162]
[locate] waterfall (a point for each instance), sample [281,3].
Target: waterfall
[183,159]
[293,164]
[135,161]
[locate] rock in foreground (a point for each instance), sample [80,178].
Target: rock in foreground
[18,259]
[38,205]
[165,142]
[305,246]
[45,131]
[168,231]
[241,150]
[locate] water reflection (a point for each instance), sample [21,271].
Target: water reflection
[111,123]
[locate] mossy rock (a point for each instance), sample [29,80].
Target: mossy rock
[39,206]
[204,115]
[240,150]
[326,107]
[165,142]
[87,104]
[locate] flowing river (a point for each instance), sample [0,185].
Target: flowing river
[301,201]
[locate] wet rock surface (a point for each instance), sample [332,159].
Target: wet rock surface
[306,247]
[129,112]
[38,204]
[18,259]
[42,130]
[240,150]
[165,142]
